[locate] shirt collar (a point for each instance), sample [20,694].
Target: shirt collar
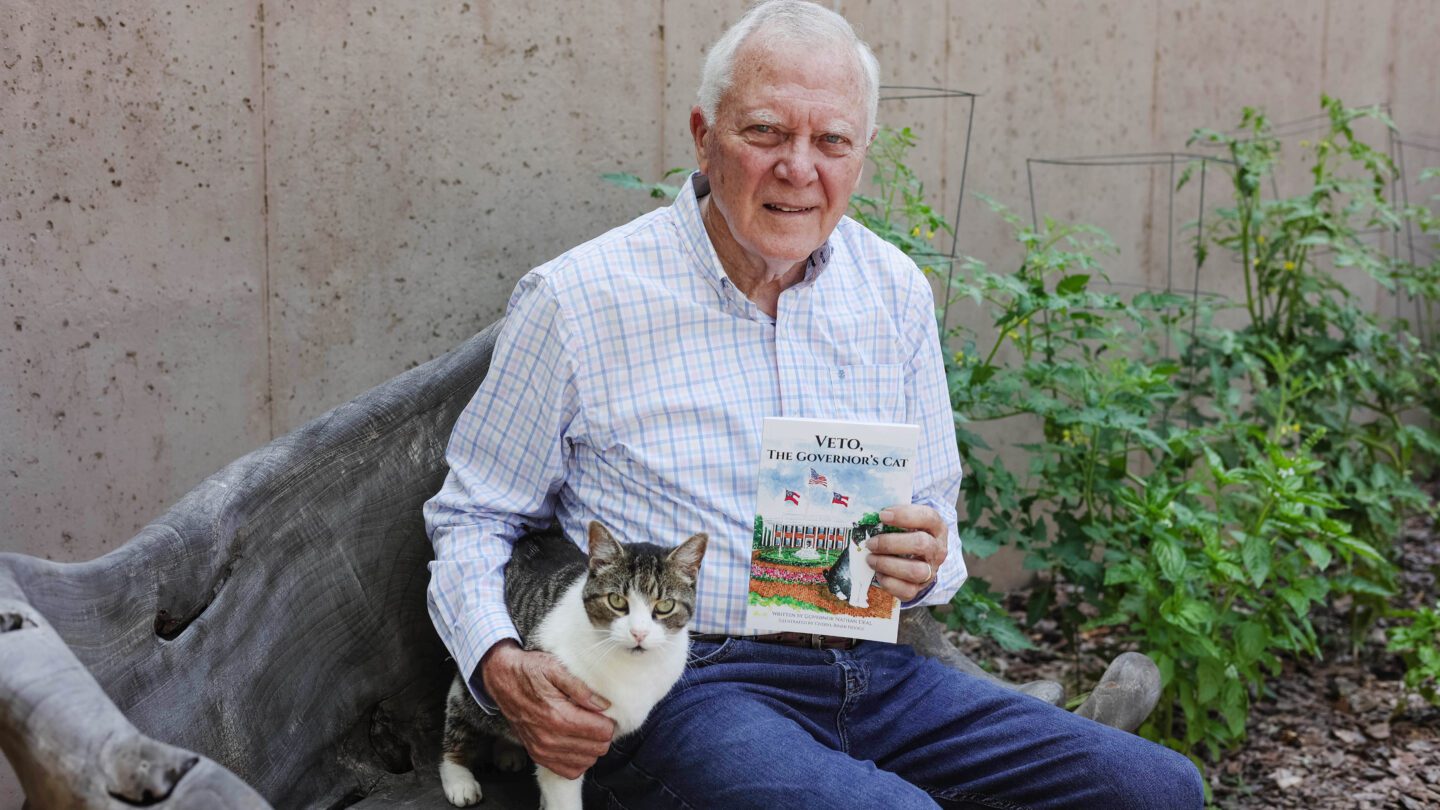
[692,227]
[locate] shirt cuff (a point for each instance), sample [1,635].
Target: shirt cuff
[476,681]
[919,598]
[477,691]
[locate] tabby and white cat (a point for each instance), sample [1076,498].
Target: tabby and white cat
[618,621]
[850,577]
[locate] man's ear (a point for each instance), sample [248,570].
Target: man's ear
[699,130]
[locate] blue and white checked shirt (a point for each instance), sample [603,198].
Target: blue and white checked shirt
[629,384]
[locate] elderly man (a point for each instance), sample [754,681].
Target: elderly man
[629,384]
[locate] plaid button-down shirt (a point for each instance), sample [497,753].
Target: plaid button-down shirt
[629,384]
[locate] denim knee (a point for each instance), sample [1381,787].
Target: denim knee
[1161,780]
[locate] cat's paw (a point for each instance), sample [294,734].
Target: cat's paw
[459,783]
[510,758]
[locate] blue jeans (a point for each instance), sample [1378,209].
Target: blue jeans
[762,725]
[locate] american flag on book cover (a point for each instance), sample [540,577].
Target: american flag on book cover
[843,500]
[816,479]
[792,496]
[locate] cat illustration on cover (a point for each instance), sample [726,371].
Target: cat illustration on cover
[618,620]
[850,577]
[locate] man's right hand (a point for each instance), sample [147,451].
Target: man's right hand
[553,713]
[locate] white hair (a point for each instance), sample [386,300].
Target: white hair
[798,21]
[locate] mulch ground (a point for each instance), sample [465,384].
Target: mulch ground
[1336,733]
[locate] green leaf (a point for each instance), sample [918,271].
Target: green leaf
[625,180]
[978,543]
[1171,559]
[1317,552]
[1351,583]
[1210,676]
[1257,554]
[1121,575]
[1296,600]
[1236,708]
[1071,285]
[1314,588]
[1007,634]
[1251,639]
[1232,572]
[631,181]
[1187,613]
[1167,668]
[978,609]
[1360,547]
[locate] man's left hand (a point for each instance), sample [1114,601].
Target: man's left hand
[905,562]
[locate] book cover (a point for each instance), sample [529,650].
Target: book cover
[822,484]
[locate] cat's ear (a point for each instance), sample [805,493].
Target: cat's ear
[688,554]
[604,548]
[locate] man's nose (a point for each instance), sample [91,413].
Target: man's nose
[797,165]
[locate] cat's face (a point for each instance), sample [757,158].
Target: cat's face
[639,595]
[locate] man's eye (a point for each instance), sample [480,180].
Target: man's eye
[835,145]
[618,603]
[763,129]
[664,607]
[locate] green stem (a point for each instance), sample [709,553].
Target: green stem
[1230,596]
[1094,451]
[999,339]
[1292,290]
[1264,514]
[1383,448]
[1245,215]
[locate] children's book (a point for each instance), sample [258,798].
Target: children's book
[822,485]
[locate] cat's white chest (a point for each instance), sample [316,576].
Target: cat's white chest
[632,682]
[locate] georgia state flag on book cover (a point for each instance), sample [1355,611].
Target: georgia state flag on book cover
[822,484]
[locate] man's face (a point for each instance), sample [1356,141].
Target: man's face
[786,149]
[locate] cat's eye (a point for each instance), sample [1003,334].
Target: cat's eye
[618,603]
[664,607]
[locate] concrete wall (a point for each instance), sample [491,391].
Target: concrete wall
[219,219]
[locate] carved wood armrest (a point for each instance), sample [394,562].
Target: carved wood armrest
[926,635]
[71,746]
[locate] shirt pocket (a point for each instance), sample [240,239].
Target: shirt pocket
[872,392]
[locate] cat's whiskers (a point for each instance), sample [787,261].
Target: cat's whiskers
[602,647]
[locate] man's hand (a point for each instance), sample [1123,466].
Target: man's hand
[905,563]
[553,713]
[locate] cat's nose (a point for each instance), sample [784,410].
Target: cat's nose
[639,635]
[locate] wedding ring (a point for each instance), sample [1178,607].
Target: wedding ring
[930,576]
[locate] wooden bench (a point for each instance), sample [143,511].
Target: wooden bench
[265,642]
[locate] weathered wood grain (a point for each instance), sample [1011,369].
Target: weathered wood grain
[69,744]
[927,635]
[273,622]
